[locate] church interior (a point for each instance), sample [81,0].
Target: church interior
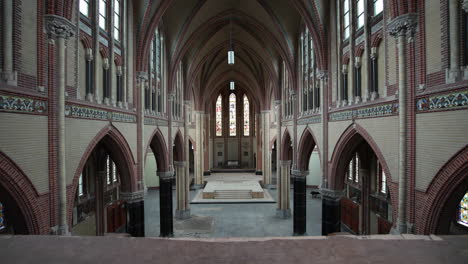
[208,130]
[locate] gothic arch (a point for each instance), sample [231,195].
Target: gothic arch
[443,192]
[286,149]
[116,145]
[178,147]
[20,188]
[158,146]
[306,145]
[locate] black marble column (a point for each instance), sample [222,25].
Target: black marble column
[331,211]
[165,204]
[135,206]
[299,216]
[136,219]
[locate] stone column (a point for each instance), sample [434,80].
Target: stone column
[278,141]
[266,152]
[182,190]
[60,29]
[165,203]
[135,206]
[453,73]
[401,28]
[300,208]
[357,80]
[331,211]
[89,73]
[344,90]
[8,75]
[374,74]
[284,186]
[199,154]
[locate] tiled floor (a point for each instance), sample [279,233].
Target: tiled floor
[235,220]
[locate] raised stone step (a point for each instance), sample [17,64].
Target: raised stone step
[233,194]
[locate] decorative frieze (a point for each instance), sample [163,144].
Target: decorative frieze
[403,25]
[155,122]
[58,27]
[310,120]
[453,100]
[85,112]
[9,103]
[366,112]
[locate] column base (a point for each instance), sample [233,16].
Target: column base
[182,214]
[283,213]
[452,75]
[10,78]
[258,173]
[198,186]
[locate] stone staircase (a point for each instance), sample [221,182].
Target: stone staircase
[233,194]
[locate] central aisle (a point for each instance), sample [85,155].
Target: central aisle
[231,220]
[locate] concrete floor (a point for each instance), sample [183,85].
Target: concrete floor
[378,249]
[232,220]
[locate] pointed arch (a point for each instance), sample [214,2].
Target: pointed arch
[119,150]
[444,193]
[306,145]
[20,188]
[178,147]
[286,146]
[158,145]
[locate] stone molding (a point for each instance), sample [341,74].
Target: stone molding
[133,197]
[13,103]
[331,194]
[165,175]
[180,164]
[404,25]
[299,174]
[285,163]
[365,112]
[85,112]
[58,27]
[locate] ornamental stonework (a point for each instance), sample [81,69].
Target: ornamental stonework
[84,112]
[366,112]
[155,122]
[19,104]
[453,100]
[310,120]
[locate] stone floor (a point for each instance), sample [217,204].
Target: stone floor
[349,250]
[232,220]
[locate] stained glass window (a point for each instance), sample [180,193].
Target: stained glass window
[2,224]
[346,19]
[356,167]
[117,11]
[246,116]
[350,170]
[102,14]
[378,7]
[383,187]
[360,13]
[80,186]
[219,111]
[232,115]
[463,213]
[114,172]
[108,170]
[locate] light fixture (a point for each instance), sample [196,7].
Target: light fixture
[232,85]
[231,50]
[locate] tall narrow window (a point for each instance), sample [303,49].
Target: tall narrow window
[463,213]
[232,114]
[84,7]
[360,13]
[246,116]
[383,185]
[117,15]
[114,172]
[378,7]
[356,167]
[346,19]
[351,170]
[103,14]
[108,170]
[80,186]
[219,119]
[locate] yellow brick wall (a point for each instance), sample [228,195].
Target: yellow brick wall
[335,129]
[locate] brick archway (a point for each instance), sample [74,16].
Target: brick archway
[306,145]
[20,188]
[444,192]
[117,147]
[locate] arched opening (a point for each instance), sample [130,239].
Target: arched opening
[18,203]
[447,198]
[191,161]
[274,162]
[99,205]
[360,173]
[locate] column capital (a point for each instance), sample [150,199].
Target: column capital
[465,5]
[322,75]
[404,25]
[373,53]
[277,102]
[165,175]
[180,164]
[357,62]
[344,69]
[89,54]
[331,194]
[133,197]
[58,27]
[142,76]
[299,173]
[285,163]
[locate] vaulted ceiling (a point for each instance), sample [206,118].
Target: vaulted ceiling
[198,33]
